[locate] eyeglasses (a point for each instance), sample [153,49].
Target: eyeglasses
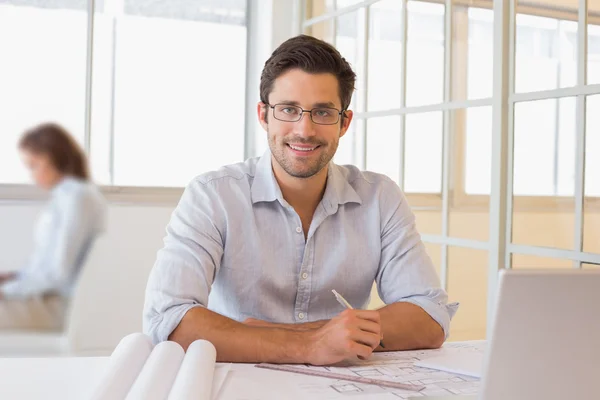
[320,115]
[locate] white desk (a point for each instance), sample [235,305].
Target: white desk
[75,378]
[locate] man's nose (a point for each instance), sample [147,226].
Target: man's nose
[305,127]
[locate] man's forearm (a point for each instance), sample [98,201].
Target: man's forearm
[237,342]
[406,326]
[306,326]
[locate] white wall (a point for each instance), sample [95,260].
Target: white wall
[142,226]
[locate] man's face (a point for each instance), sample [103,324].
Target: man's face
[303,148]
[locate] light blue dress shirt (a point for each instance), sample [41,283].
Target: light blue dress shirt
[236,246]
[74,216]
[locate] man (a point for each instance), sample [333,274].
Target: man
[270,238]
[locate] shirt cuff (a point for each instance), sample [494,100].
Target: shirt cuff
[440,312]
[160,330]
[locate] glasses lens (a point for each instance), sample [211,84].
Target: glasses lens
[285,112]
[325,116]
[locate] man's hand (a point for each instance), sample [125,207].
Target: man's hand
[352,334]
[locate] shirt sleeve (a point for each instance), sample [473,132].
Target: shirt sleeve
[59,257]
[185,267]
[406,272]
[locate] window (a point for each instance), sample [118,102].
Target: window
[168,101]
[424,85]
[42,73]
[424,117]
[546,59]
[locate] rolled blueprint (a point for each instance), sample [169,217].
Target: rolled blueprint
[124,366]
[194,380]
[158,374]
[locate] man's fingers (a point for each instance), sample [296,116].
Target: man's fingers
[370,315]
[369,326]
[366,338]
[361,351]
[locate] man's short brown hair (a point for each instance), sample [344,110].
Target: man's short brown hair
[310,55]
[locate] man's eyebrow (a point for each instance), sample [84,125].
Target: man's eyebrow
[327,104]
[288,102]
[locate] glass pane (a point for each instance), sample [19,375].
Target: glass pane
[548,227]
[42,73]
[476,123]
[323,30]
[544,165]
[434,251]
[592,157]
[546,51]
[425,53]
[385,54]
[346,151]
[544,149]
[524,261]
[383,146]
[591,221]
[346,43]
[103,85]
[480,54]
[346,3]
[471,224]
[467,284]
[429,221]
[593,71]
[315,8]
[478,154]
[175,114]
[423,153]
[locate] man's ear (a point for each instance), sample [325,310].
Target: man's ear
[262,111]
[347,118]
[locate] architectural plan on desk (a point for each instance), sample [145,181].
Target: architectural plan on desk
[397,367]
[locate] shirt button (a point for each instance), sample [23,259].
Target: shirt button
[304,275]
[299,230]
[301,315]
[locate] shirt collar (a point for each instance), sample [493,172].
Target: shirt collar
[62,185]
[265,186]
[338,190]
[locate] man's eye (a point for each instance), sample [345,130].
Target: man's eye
[289,110]
[323,113]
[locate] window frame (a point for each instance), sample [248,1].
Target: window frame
[459,200]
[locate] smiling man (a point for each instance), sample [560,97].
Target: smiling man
[254,250]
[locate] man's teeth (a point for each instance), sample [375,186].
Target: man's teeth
[302,148]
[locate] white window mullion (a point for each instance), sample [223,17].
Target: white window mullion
[362,51]
[500,150]
[447,127]
[88,76]
[510,134]
[580,129]
[403,63]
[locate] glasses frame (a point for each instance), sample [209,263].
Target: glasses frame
[310,112]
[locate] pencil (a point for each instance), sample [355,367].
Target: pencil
[347,305]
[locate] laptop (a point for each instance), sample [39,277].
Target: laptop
[545,340]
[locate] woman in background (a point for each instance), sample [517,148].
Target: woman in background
[36,297]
